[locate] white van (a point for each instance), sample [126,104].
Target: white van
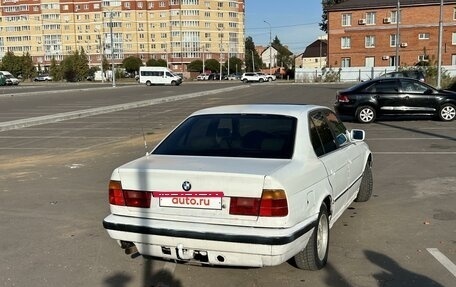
[158,76]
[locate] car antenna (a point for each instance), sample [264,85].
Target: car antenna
[143,134]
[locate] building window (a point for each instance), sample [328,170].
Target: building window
[453,38]
[423,58]
[393,17]
[369,41]
[454,13]
[346,19]
[370,18]
[345,62]
[345,42]
[423,36]
[393,40]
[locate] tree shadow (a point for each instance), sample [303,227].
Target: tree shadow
[395,275]
[162,278]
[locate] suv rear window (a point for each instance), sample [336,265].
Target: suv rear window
[232,135]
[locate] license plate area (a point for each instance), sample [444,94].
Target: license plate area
[193,200]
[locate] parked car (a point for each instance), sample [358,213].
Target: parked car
[269,77]
[233,77]
[41,78]
[414,74]
[242,185]
[253,77]
[11,80]
[395,96]
[214,76]
[202,77]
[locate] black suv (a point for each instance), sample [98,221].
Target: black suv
[414,74]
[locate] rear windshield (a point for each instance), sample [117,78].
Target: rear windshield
[232,135]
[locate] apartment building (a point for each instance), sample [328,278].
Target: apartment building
[178,31]
[373,33]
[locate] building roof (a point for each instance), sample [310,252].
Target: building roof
[369,4]
[313,50]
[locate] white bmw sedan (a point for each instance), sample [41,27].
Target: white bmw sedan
[242,185]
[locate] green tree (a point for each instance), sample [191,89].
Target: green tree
[132,64]
[54,70]
[106,64]
[11,63]
[212,65]
[249,61]
[81,62]
[284,56]
[28,69]
[324,17]
[156,63]
[195,66]
[235,65]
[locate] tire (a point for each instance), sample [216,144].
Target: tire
[365,114]
[261,80]
[367,185]
[269,79]
[245,81]
[148,83]
[447,112]
[173,83]
[315,255]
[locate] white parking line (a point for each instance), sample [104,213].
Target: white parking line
[450,266]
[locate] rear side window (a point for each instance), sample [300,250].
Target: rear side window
[233,135]
[321,136]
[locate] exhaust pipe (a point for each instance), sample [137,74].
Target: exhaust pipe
[129,247]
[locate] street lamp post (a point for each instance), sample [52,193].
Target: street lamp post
[439,50]
[221,49]
[398,13]
[112,51]
[270,47]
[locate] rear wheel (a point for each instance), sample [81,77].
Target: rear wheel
[366,187]
[148,83]
[261,80]
[365,114]
[269,79]
[245,81]
[315,255]
[447,112]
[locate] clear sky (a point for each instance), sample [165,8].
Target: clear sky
[294,22]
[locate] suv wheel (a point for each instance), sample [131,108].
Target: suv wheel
[245,81]
[365,114]
[261,80]
[447,112]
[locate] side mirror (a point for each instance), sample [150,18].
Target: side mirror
[341,139]
[357,135]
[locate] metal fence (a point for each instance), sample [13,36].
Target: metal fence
[350,74]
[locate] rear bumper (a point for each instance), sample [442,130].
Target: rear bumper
[224,245]
[344,109]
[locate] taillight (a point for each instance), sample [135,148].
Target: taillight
[115,193]
[132,198]
[343,99]
[273,202]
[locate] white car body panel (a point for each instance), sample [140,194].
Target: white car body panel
[241,240]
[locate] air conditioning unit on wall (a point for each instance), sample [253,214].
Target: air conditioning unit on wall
[385,58]
[362,21]
[404,45]
[386,20]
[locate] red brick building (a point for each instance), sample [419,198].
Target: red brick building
[363,33]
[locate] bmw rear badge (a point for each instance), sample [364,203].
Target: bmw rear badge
[186,186]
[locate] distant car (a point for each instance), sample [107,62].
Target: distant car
[233,77]
[242,185]
[202,77]
[395,96]
[214,77]
[414,74]
[269,77]
[253,77]
[11,80]
[42,78]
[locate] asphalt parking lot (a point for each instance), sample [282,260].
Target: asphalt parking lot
[53,192]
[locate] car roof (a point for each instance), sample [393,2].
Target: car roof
[294,110]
